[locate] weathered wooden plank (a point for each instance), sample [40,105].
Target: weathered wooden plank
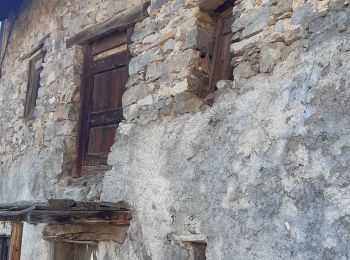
[39,45]
[23,205]
[118,23]
[110,62]
[109,42]
[68,217]
[112,116]
[16,241]
[85,232]
[61,204]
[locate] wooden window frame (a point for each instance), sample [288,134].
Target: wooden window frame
[33,84]
[85,100]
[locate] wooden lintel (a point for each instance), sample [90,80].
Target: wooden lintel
[35,48]
[85,232]
[23,205]
[120,22]
[67,217]
[64,212]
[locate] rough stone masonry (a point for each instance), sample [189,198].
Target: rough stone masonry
[262,173]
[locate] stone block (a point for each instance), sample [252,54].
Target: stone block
[169,46]
[301,13]
[147,115]
[131,112]
[160,104]
[188,105]
[279,26]
[224,84]
[200,39]
[134,94]
[254,28]
[139,63]
[154,71]
[282,7]
[342,20]
[147,100]
[180,87]
[293,35]
[270,53]
[243,71]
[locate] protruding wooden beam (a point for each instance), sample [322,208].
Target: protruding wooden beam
[120,22]
[69,217]
[85,232]
[64,212]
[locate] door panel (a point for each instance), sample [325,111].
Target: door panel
[105,85]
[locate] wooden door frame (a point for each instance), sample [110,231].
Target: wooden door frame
[16,241]
[86,96]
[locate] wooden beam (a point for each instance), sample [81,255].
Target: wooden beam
[16,241]
[65,212]
[120,22]
[23,205]
[39,45]
[68,217]
[85,232]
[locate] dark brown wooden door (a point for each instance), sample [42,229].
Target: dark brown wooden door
[221,63]
[106,73]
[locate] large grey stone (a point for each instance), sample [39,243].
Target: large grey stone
[270,54]
[135,93]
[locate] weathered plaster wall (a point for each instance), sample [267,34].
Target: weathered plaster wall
[262,174]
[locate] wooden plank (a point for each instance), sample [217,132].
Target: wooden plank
[95,159]
[85,232]
[16,241]
[118,23]
[221,65]
[33,83]
[113,51]
[100,141]
[68,217]
[83,110]
[109,42]
[19,205]
[63,204]
[216,56]
[39,45]
[110,62]
[106,117]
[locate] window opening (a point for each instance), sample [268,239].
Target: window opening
[4,247]
[74,251]
[219,65]
[35,68]
[222,68]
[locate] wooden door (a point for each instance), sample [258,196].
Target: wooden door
[105,76]
[222,57]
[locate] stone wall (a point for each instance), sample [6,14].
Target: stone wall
[260,174]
